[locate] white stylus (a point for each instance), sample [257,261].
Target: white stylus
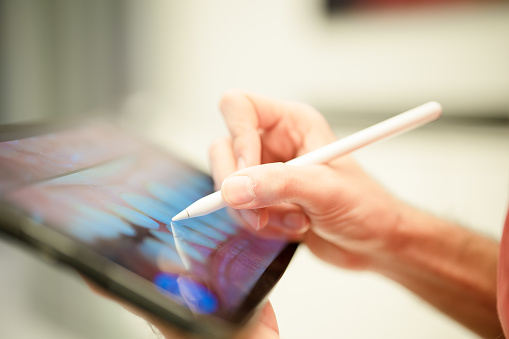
[391,127]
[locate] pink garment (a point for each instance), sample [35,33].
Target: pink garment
[503,279]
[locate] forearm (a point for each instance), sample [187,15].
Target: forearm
[450,267]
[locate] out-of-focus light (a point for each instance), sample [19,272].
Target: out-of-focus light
[188,292]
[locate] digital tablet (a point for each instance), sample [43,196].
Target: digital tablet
[100,200]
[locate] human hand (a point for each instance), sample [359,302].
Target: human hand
[342,214]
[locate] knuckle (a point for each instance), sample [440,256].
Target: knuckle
[244,141]
[217,145]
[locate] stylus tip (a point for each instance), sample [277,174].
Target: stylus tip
[182,215]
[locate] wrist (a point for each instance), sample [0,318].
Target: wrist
[452,268]
[421,241]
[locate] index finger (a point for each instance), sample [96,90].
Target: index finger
[260,126]
[246,114]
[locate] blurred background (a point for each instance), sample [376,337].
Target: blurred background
[163,66]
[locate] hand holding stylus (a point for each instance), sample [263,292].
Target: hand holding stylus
[391,127]
[336,199]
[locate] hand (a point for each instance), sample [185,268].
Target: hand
[342,214]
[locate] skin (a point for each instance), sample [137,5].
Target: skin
[344,216]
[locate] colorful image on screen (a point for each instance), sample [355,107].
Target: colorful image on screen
[117,195]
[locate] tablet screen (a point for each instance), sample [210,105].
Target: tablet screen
[117,195]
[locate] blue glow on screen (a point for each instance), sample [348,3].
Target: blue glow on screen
[188,292]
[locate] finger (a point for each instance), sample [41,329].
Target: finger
[222,163]
[268,317]
[311,187]
[246,114]
[264,325]
[277,223]
[291,220]
[222,160]
[242,121]
[286,219]
[256,218]
[272,223]
[278,233]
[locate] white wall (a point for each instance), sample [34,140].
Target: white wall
[363,63]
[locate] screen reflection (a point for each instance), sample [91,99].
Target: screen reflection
[118,195]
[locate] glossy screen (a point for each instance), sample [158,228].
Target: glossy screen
[117,195]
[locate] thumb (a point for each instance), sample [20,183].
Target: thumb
[272,184]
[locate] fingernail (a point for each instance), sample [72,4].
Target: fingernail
[238,190]
[251,217]
[241,163]
[294,221]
